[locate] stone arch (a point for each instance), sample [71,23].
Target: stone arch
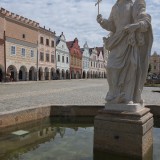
[94,75]
[84,74]
[91,74]
[67,74]
[11,73]
[53,74]
[40,74]
[46,73]
[88,74]
[72,75]
[63,74]
[58,74]
[23,73]
[32,73]
[1,73]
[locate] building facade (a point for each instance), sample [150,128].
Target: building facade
[46,54]
[85,61]
[75,59]
[63,58]
[155,65]
[93,69]
[20,36]
[2,56]
[101,63]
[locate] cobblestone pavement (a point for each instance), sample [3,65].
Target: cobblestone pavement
[28,94]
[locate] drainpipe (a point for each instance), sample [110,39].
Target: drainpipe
[4,37]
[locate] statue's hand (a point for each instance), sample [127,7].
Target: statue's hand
[131,27]
[99,18]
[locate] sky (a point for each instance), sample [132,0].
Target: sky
[77,18]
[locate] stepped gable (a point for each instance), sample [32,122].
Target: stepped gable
[18,18]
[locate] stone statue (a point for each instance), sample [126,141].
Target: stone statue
[129,43]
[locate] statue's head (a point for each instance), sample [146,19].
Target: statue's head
[141,5]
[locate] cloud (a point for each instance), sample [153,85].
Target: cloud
[76,18]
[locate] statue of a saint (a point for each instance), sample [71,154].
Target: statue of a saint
[129,43]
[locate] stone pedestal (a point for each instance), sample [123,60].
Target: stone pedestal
[124,129]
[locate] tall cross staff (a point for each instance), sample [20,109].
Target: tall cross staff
[98,5]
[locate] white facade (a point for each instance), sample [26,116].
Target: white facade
[63,58]
[85,61]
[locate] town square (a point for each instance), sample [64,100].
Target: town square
[79,80]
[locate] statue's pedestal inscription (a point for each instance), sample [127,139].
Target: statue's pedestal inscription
[124,132]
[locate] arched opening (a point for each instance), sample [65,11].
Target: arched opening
[72,75]
[67,75]
[1,74]
[88,75]
[57,74]
[40,74]
[53,74]
[94,76]
[32,74]
[11,73]
[46,73]
[77,75]
[84,74]
[63,74]
[99,76]
[23,73]
[91,75]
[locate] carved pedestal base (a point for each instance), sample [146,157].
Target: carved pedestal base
[124,132]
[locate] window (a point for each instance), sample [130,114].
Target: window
[52,43]
[23,52]
[47,42]
[23,36]
[41,56]
[47,57]
[154,67]
[13,50]
[58,58]
[52,58]
[62,59]
[32,53]
[41,40]
[67,60]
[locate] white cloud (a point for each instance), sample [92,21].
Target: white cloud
[76,18]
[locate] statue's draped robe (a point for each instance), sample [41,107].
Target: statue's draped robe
[129,52]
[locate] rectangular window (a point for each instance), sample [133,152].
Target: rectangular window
[47,42]
[32,53]
[58,58]
[41,40]
[41,56]
[52,43]
[62,59]
[23,52]
[47,57]
[52,58]
[67,60]
[13,50]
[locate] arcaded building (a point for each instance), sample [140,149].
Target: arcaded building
[75,59]
[46,54]
[20,35]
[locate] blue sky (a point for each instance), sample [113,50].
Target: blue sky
[77,18]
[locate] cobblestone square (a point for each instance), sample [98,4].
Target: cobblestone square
[92,91]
